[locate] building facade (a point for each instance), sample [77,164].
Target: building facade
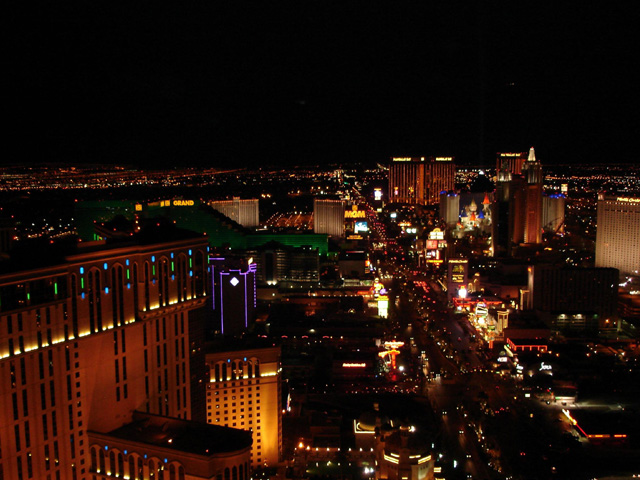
[571,296]
[532,171]
[553,208]
[277,263]
[416,180]
[243,211]
[158,447]
[509,164]
[328,217]
[618,233]
[243,391]
[233,283]
[89,340]
[517,213]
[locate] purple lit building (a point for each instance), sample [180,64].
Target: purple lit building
[233,294]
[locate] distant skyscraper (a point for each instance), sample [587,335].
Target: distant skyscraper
[618,233]
[406,180]
[328,217]
[440,177]
[532,170]
[234,294]
[450,208]
[517,210]
[553,213]
[416,181]
[242,211]
[509,164]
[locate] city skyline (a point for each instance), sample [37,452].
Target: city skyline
[286,84]
[485,351]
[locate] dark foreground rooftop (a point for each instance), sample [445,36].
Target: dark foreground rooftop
[183,435]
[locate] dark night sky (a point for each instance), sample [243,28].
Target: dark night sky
[319,81]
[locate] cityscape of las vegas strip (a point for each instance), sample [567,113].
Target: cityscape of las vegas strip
[320,242]
[405,319]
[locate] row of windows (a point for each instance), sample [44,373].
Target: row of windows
[114,463]
[235,370]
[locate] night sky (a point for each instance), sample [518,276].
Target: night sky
[230,84]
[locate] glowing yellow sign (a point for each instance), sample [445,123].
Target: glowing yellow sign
[355,214]
[436,234]
[354,365]
[401,159]
[183,203]
[628,200]
[444,159]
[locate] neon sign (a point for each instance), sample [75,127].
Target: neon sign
[355,213]
[183,203]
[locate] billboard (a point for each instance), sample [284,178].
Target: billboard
[361,227]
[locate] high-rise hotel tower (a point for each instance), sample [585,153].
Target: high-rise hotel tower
[532,171]
[415,180]
[328,217]
[95,355]
[618,233]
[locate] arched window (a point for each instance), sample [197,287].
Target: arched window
[224,372]
[172,472]
[94,460]
[121,464]
[132,467]
[181,472]
[140,468]
[74,304]
[163,282]
[240,472]
[112,462]
[182,277]
[117,292]
[95,298]
[227,474]
[250,369]
[233,370]
[135,289]
[147,282]
[257,368]
[217,372]
[234,473]
[199,274]
[102,462]
[152,469]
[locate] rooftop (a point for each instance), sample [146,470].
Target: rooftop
[183,435]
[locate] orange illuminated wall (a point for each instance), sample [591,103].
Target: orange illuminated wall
[243,392]
[85,343]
